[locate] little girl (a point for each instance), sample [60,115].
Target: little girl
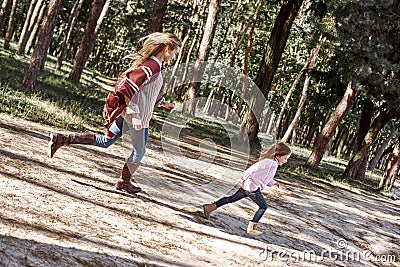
[254,179]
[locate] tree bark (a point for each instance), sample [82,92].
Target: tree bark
[155,22]
[357,166]
[365,123]
[293,125]
[381,149]
[246,58]
[325,135]
[189,104]
[35,27]
[292,87]
[5,7]
[87,44]
[197,17]
[42,45]
[275,47]
[67,32]
[25,28]
[10,27]
[389,177]
[239,39]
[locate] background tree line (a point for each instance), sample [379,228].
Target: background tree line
[328,70]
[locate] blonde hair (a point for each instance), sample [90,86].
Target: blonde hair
[279,149]
[151,45]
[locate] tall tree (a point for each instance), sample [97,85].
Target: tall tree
[155,22]
[358,163]
[325,136]
[247,55]
[87,44]
[381,149]
[25,29]
[293,125]
[42,45]
[68,30]
[202,55]
[10,28]
[269,64]
[35,26]
[388,178]
[369,52]
[365,122]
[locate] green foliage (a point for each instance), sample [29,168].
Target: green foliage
[369,46]
[55,101]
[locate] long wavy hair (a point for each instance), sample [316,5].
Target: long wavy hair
[151,45]
[279,149]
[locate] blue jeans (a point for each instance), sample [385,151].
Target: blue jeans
[256,196]
[138,138]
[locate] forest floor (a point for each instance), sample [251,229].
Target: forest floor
[64,211]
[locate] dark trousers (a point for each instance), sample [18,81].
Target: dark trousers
[256,196]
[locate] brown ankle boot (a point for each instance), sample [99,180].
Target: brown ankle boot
[125,182]
[59,140]
[208,208]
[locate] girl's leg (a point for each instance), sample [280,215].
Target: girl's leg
[208,208]
[259,199]
[241,193]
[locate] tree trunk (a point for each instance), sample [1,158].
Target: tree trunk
[202,55]
[325,135]
[357,166]
[293,86]
[246,59]
[25,28]
[365,123]
[196,17]
[239,39]
[89,38]
[10,28]
[35,27]
[101,19]
[42,45]
[381,149]
[343,140]
[389,177]
[304,94]
[5,8]
[155,22]
[67,32]
[275,47]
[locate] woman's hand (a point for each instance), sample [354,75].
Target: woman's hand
[137,122]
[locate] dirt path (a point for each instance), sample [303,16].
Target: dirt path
[65,212]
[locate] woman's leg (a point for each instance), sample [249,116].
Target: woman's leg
[139,141]
[259,199]
[118,127]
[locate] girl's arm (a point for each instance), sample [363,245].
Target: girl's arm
[273,182]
